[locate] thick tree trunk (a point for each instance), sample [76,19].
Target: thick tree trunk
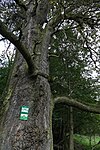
[35,93]
[36,132]
[32,90]
[29,84]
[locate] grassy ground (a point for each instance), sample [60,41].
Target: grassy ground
[85,141]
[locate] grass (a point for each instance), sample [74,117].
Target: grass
[85,141]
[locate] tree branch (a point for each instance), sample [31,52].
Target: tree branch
[20,4]
[41,11]
[76,104]
[2,39]
[13,39]
[80,18]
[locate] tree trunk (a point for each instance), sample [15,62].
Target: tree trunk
[71,132]
[32,90]
[35,133]
[29,84]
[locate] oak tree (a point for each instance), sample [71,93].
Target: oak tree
[30,25]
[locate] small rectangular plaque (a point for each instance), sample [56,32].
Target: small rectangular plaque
[23,116]
[24,113]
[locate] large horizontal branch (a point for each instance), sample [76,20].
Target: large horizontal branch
[14,40]
[76,104]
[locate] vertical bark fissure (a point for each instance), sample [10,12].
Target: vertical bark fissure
[71,130]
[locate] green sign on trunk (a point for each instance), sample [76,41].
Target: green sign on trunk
[24,113]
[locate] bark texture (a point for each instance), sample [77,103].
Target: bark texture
[30,89]
[36,132]
[29,84]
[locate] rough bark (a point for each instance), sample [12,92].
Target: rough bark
[36,132]
[29,89]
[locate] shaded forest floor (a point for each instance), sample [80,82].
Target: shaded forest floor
[82,142]
[86,142]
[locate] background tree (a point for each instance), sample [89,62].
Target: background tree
[67,78]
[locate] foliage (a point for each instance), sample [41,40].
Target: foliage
[6,62]
[73,51]
[3,78]
[68,77]
[85,141]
